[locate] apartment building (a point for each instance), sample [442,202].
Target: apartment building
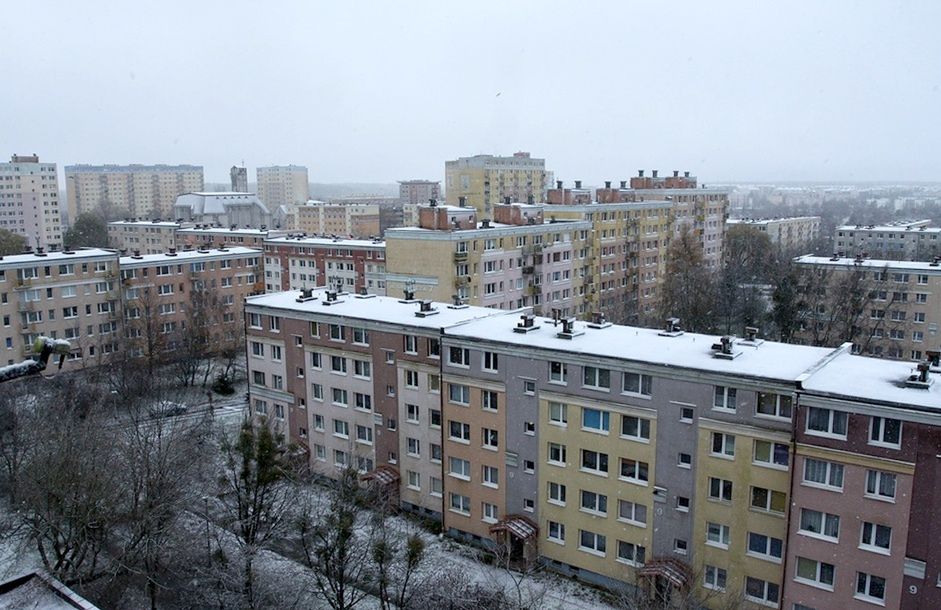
[486,180]
[165,295]
[238,177]
[282,185]
[518,259]
[145,236]
[914,240]
[209,236]
[224,209]
[789,234]
[73,295]
[753,473]
[413,193]
[29,201]
[898,302]
[146,191]
[345,220]
[296,262]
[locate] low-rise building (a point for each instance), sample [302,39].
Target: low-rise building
[223,209]
[358,220]
[209,236]
[913,240]
[299,261]
[144,236]
[790,234]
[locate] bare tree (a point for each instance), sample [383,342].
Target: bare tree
[689,287]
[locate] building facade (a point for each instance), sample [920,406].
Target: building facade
[223,209]
[145,191]
[29,201]
[296,262]
[238,177]
[485,180]
[789,234]
[344,220]
[282,185]
[206,236]
[144,236]
[914,240]
[413,193]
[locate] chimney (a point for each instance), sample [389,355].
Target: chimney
[676,173]
[558,184]
[578,184]
[671,328]
[507,200]
[653,173]
[623,184]
[607,184]
[461,201]
[686,174]
[640,173]
[751,333]
[434,202]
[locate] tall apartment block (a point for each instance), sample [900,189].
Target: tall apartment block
[747,472]
[360,220]
[901,304]
[790,234]
[29,201]
[285,185]
[296,262]
[141,191]
[413,193]
[914,240]
[73,295]
[485,180]
[238,177]
[517,259]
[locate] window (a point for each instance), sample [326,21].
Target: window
[869,587]
[876,537]
[258,349]
[724,398]
[769,500]
[258,378]
[632,554]
[558,413]
[413,447]
[488,400]
[459,468]
[635,383]
[491,476]
[815,573]
[774,405]
[277,382]
[363,369]
[557,454]
[364,434]
[687,414]
[459,394]
[529,387]
[337,333]
[459,356]
[592,542]
[762,591]
[459,431]
[765,547]
[434,348]
[436,453]
[599,379]
[414,480]
[824,474]
[682,504]
[316,360]
[390,356]
[274,324]
[723,445]
[434,418]
[460,504]
[768,453]
[556,532]
[338,364]
[635,428]
[680,546]
[529,466]
[595,462]
[633,513]
[434,383]
[529,428]
[820,524]
[490,512]
[362,401]
[490,438]
[558,372]
[361,336]
[411,413]
[437,487]
[595,420]
[717,535]
[885,432]
[826,422]
[594,503]
[684,460]
[411,379]
[341,428]
[339,397]
[720,489]
[556,493]
[634,471]
[880,485]
[714,578]
[316,391]
[490,362]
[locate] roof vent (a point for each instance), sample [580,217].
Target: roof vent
[461,201]
[307,294]
[578,184]
[39,251]
[425,309]
[531,220]
[934,360]
[485,223]
[607,184]
[920,379]
[751,337]
[409,291]
[172,252]
[568,329]
[936,262]
[364,294]
[623,184]
[457,302]
[672,328]
[507,200]
[137,255]
[725,349]
[558,184]
[598,320]
[835,257]
[331,298]
[526,324]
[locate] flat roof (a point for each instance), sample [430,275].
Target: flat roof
[384,309]
[900,228]
[495,228]
[227,230]
[146,223]
[768,360]
[768,220]
[326,241]
[57,256]
[187,256]
[868,263]
[854,377]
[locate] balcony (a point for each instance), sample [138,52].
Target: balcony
[460,256]
[461,281]
[528,270]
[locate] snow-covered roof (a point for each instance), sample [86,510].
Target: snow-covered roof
[495,229]
[765,221]
[146,223]
[325,241]
[920,266]
[768,360]
[216,203]
[901,227]
[184,256]
[230,231]
[57,256]
[384,309]
[854,377]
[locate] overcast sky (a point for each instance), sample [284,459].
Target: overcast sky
[382,91]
